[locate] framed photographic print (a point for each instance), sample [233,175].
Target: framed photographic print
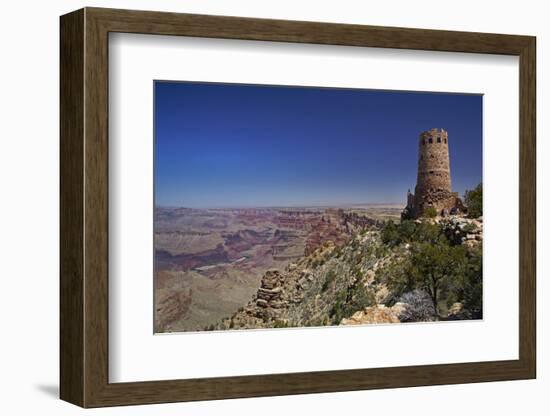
[263,207]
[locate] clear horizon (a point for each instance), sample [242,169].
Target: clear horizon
[343,205]
[252,146]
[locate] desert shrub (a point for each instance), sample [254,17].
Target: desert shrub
[379,251]
[361,297]
[436,269]
[337,312]
[409,231]
[435,263]
[357,272]
[330,277]
[474,201]
[430,212]
[350,300]
[429,233]
[447,273]
[470,285]
[280,324]
[396,275]
[419,307]
[390,234]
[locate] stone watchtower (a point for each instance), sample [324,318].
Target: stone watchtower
[433,183]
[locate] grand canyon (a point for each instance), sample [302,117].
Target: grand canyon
[210,262]
[272,206]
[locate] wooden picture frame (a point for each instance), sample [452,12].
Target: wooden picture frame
[84,207]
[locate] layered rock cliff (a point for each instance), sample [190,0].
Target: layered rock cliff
[355,283]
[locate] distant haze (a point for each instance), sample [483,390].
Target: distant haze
[230,145]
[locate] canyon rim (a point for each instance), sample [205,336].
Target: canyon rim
[287,207]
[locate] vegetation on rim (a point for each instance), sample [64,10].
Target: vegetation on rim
[414,270]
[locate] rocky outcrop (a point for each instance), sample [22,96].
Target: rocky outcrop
[330,284]
[268,298]
[462,230]
[350,284]
[337,227]
[379,314]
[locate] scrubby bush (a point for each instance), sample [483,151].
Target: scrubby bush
[396,275]
[419,307]
[430,212]
[474,201]
[468,228]
[330,277]
[390,234]
[437,269]
[435,262]
[354,298]
[409,231]
[426,232]
[469,287]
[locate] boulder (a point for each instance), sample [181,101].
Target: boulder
[379,314]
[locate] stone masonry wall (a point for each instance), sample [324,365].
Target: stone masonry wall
[434,171]
[433,184]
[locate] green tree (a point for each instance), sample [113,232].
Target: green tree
[434,267]
[470,284]
[349,300]
[474,201]
[390,234]
[407,230]
[426,232]
[397,275]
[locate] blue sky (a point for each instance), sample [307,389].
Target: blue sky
[232,145]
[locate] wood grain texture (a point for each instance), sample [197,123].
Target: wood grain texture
[84,207]
[71,208]
[527,208]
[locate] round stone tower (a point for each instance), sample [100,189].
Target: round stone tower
[434,171]
[433,184]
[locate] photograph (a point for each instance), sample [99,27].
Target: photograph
[281,206]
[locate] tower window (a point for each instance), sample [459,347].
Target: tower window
[430,140]
[439,139]
[445,141]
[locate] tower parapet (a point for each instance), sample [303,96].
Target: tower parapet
[433,183]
